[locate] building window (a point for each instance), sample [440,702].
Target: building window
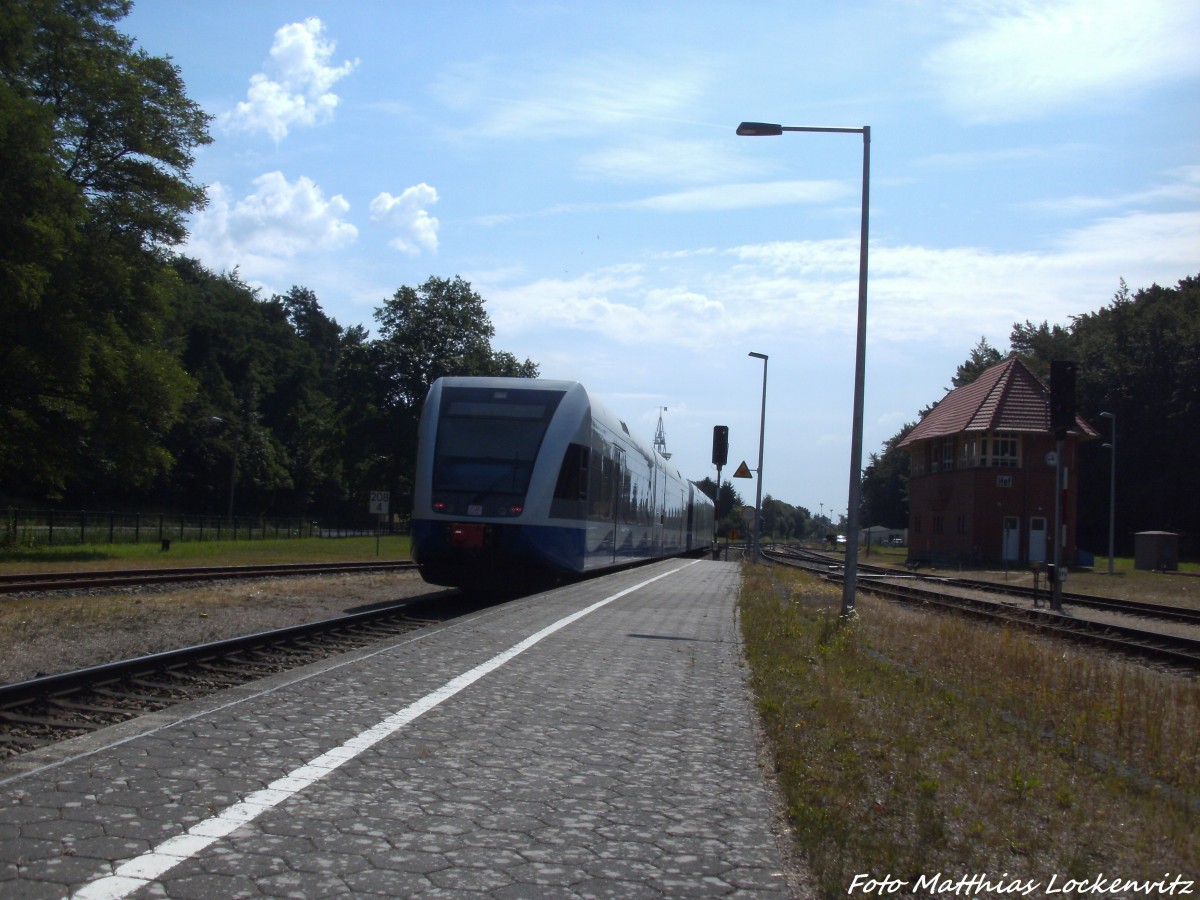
[962,524]
[1006,451]
[942,457]
[967,453]
[919,453]
[939,524]
[917,524]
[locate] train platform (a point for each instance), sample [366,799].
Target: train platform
[597,740]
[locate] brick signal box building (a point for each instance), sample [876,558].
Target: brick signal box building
[981,483]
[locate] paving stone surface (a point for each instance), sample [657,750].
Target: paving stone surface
[614,757]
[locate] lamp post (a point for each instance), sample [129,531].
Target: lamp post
[762,431]
[1112,487]
[233,471]
[849,583]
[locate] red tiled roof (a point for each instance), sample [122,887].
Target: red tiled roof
[1006,397]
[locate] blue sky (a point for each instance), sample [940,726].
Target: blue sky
[577,163]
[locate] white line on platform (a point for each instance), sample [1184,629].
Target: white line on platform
[140,871]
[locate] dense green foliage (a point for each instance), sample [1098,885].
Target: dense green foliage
[135,377]
[95,151]
[1139,358]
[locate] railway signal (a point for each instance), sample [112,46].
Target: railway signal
[1062,396]
[720,447]
[720,456]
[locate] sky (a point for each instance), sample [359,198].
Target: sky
[578,165]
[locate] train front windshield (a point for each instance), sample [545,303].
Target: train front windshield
[487,441]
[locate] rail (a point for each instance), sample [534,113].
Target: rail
[971,598]
[65,581]
[43,711]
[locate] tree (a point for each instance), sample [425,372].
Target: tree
[438,329]
[425,333]
[95,140]
[983,356]
[885,483]
[1039,345]
[730,506]
[1139,357]
[124,129]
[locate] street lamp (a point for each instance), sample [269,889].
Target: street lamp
[762,430]
[1112,487]
[849,583]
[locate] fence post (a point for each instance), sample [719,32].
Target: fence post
[82,522]
[137,528]
[112,524]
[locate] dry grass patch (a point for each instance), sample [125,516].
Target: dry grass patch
[908,744]
[49,634]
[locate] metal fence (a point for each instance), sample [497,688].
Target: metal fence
[56,527]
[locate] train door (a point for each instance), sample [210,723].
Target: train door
[1037,539]
[655,510]
[691,517]
[1011,551]
[617,508]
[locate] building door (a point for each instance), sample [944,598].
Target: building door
[1012,539]
[1037,539]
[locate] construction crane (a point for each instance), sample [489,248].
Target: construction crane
[660,437]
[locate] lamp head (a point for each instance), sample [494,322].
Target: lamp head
[759,129]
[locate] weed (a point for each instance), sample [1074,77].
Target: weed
[909,743]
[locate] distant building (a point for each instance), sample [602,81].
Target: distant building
[981,484]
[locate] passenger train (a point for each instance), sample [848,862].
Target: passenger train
[520,481]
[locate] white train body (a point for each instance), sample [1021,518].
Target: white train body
[522,478]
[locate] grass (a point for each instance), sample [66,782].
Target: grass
[908,744]
[203,553]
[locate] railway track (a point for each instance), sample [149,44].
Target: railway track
[47,710]
[986,600]
[71,581]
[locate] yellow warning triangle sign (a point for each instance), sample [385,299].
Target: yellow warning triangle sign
[743,471]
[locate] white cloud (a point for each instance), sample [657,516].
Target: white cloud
[585,96]
[717,197]
[1029,60]
[278,221]
[804,292]
[297,88]
[744,196]
[1184,187]
[668,159]
[408,215]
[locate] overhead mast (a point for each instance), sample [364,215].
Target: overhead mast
[660,437]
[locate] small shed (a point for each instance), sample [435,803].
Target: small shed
[1156,551]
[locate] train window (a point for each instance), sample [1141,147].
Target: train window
[487,441]
[572,476]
